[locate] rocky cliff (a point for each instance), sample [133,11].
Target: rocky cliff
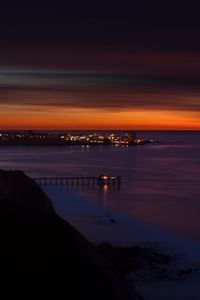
[42,256]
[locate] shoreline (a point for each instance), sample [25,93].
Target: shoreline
[69,205]
[43,254]
[105,226]
[49,144]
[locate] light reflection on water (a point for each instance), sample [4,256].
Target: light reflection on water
[160,183]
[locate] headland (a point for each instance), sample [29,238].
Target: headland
[32,138]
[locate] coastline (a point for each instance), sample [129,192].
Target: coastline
[100,226]
[33,138]
[43,255]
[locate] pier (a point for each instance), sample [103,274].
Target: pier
[92,180]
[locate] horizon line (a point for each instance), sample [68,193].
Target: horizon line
[107,129]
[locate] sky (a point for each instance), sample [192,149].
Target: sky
[104,65]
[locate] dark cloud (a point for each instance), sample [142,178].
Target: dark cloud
[78,80]
[110,97]
[107,56]
[107,79]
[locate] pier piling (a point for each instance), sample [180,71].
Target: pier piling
[76,180]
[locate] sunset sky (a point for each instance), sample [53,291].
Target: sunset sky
[103,67]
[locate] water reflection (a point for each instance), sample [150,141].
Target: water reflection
[160,183]
[103,191]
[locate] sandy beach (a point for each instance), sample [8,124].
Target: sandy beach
[100,225]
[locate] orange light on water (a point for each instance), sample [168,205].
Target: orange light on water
[105,187]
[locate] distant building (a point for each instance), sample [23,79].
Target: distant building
[130,136]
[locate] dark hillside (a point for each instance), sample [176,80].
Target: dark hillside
[44,257]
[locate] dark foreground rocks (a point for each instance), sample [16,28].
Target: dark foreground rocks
[147,264]
[44,257]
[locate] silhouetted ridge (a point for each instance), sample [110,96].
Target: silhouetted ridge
[42,256]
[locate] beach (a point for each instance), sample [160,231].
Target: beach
[100,225]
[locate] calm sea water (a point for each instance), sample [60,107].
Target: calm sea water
[160,182]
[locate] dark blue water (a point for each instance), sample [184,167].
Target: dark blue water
[160,182]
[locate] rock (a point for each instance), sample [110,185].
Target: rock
[42,256]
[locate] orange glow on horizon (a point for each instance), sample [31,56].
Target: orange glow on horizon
[28,117]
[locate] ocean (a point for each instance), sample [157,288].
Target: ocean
[160,183]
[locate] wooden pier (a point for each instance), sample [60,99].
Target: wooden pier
[77,180]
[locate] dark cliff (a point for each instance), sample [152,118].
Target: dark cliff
[42,256]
